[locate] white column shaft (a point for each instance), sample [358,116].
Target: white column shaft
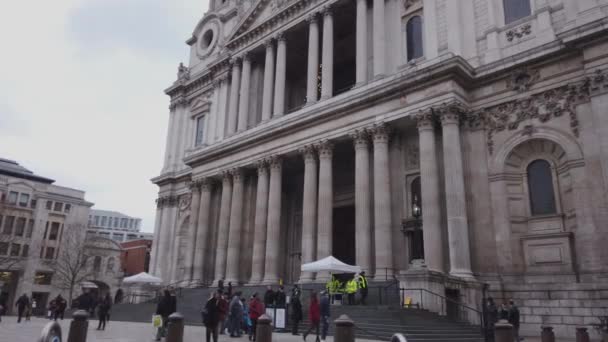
[192,231]
[281,71]
[261,219]
[268,82]
[202,233]
[155,243]
[382,206]
[361,73]
[271,272]
[309,212]
[223,228]
[234,98]
[327,72]
[325,206]
[313,61]
[236,223]
[379,38]
[244,99]
[363,237]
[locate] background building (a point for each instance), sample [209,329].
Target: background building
[136,256]
[114,225]
[302,129]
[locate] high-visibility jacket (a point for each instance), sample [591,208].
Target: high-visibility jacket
[351,286]
[362,282]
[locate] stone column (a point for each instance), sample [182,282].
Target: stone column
[271,272]
[261,217]
[166,256]
[309,210]
[279,85]
[326,205]
[202,233]
[223,226]
[236,223]
[313,59]
[379,38]
[234,96]
[382,203]
[157,233]
[431,206]
[361,76]
[222,115]
[268,81]
[192,230]
[244,98]
[168,149]
[363,228]
[327,72]
[458,228]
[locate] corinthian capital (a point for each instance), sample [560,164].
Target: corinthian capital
[360,138]
[237,174]
[325,149]
[450,113]
[381,132]
[308,153]
[425,119]
[275,162]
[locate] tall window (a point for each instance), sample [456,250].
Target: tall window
[540,185]
[97,264]
[200,131]
[415,193]
[110,265]
[413,35]
[516,9]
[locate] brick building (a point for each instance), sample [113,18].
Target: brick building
[136,256]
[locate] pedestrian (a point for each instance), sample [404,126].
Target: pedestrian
[119,296]
[246,322]
[351,290]
[314,316]
[166,306]
[229,289]
[324,315]
[269,297]
[514,320]
[235,316]
[60,305]
[103,308]
[296,310]
[279,298]
[220,285]
[211,316]
[504,312]
[362,287]
[223,313]
[21,304]
[256,309]
[50,313]
[491,312]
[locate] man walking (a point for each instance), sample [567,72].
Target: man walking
[235,316]
[514,319]
[491,317]
[324,315]
[362,287]
[21,304]
[296,311]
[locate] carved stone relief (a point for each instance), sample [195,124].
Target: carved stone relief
[518,32]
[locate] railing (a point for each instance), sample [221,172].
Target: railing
[445,306]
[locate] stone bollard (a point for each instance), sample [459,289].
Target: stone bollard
[79,327]
[503,331]
[175,328]
[264,329]
[345,329]
[581,334]
[51,333]
[547,334]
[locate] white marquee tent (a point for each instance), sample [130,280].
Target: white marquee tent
[330,264]
[143,278]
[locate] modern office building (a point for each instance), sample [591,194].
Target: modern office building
[116,226]
[301,129]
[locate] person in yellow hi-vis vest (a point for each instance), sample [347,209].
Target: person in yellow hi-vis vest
[362,287]
[351,290]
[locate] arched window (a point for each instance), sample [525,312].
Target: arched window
[97,264]
[540,185]
[413,36]
[110,266]
[516,9]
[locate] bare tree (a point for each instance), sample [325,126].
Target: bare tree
[71,265]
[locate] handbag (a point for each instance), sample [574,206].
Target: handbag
[157,321]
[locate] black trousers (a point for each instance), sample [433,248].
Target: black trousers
[363,295]
[102,321]
[211,331]
[294,327]
[313,326]
[254,328]
[351,299]
[20,314]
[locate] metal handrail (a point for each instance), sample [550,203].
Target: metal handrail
[446,300]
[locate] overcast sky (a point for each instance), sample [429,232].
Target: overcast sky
[81,92]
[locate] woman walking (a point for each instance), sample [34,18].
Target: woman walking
[165,307]
[103,308]
[314,315]
[256,309]
[211,316]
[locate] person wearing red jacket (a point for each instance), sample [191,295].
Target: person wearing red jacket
[256,309]
[314,315]
[223,311]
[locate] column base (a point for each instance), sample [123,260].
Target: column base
[310,103]
[306,278]
[270,281]
[383,275]
[465,274]
[254,281]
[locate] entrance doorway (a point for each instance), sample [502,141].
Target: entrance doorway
[453,299]
[39,303]
[344,234]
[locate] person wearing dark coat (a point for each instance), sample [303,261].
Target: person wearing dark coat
[491,317]
[324,314]
[220,285]
[21,304]
[269,297]
[235,316]
[166,306]
[103,309]
[279,298]
[229,290]
[514,319]
[60,305]
[211,316]
[296,314]
[85,302]
[314,316]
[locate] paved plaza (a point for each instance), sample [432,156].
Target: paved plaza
[11,331]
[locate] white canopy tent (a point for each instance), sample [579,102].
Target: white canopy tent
[142,278]
[330,264]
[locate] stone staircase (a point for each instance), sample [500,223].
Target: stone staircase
[374,321]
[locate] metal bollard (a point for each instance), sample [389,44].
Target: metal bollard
[175,327]
[345,329]
[503,331]
[79,327]
[547,334]
[581,334]
[51,333]
[264,329]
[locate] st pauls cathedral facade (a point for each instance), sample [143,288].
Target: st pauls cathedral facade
[301,129]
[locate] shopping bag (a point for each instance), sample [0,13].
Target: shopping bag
[157,321]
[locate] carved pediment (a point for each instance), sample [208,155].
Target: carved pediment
[199,105]
[258,13]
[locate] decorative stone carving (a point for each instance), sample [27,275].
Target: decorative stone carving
[519,32]
[450,113]
[184,202]
[276,5]
[412,155]
[166,201]
[206,184]
[425,119]
[237,174]
[312,18]
[598,82]
[183,73]
[308,152]
[380,132]
[178,101]
[407,4]
[360,138]
[275,162]
[280,36]
[522,79]
[325,149]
